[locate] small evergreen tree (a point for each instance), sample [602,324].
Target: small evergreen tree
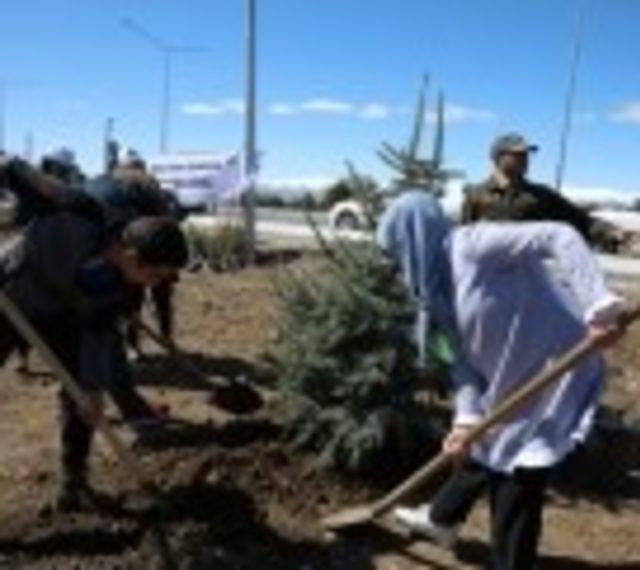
[345,359]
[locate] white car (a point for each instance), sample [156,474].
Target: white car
[348,215]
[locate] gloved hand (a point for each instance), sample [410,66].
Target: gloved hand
[603,320]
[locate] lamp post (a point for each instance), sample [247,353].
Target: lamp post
[250,154]
[570,99]
[167,51]
[3,116]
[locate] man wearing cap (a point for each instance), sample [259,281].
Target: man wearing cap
[507,195]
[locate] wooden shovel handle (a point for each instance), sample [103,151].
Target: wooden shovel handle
[506,408]
[97,419]
[180,358]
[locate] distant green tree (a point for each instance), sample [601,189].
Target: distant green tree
[269,200]
[341,190]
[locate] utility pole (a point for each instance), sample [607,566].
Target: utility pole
[570,99]
[29,147]
[167,51]
[250,154]
[3,116]
[111,147]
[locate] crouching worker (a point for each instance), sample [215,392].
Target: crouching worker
[71,279]
[128,192]
[490,287]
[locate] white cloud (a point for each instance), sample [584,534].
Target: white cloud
[628,113]
[215,109]
[327,106]
[201,109]
[596,194]
[283,109]
[233,106]
[374,111]
[454,113]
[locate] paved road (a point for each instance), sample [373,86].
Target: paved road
[280,215]
[289,229]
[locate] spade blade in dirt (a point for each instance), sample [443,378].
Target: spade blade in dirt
[238,399]
[234,396]
[349,518]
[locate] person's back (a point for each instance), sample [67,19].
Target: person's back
[129,192]
[71,277]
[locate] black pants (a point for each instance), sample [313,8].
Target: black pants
[75,434]
[516,518]
[161,296]
[453,502]
[516,502]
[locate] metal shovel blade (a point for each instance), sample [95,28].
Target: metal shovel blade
[238,399]
[349,517]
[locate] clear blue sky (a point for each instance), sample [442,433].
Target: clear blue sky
[336,77]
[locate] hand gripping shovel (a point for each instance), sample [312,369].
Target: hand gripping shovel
[366,513]
[96,418]
[231,395]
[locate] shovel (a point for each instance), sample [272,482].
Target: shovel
[232,396]
[552,372]
[95,417]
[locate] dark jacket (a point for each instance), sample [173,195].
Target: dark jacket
[530,202]
[56,277]
[128,194]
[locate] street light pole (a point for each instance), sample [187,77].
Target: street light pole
[250,159]
[570,100]
[29,147]
[167,50]
[3,116]
[165,120]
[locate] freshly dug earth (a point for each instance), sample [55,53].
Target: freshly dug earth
[237,497]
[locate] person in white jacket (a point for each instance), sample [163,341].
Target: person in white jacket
[490,286]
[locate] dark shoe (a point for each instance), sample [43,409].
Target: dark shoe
[150,430]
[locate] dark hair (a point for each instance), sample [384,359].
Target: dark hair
[64,172]
[157,241]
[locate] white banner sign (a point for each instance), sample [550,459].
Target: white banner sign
[202,179]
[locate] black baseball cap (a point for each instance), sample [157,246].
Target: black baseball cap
[511,142]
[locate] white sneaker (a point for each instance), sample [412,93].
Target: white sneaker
[419,521]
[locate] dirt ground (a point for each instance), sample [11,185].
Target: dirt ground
[237,497]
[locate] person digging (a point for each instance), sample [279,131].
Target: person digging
[489,287]
[71,279]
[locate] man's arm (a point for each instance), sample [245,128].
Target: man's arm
[470,211]
[43,192]
[561,209]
